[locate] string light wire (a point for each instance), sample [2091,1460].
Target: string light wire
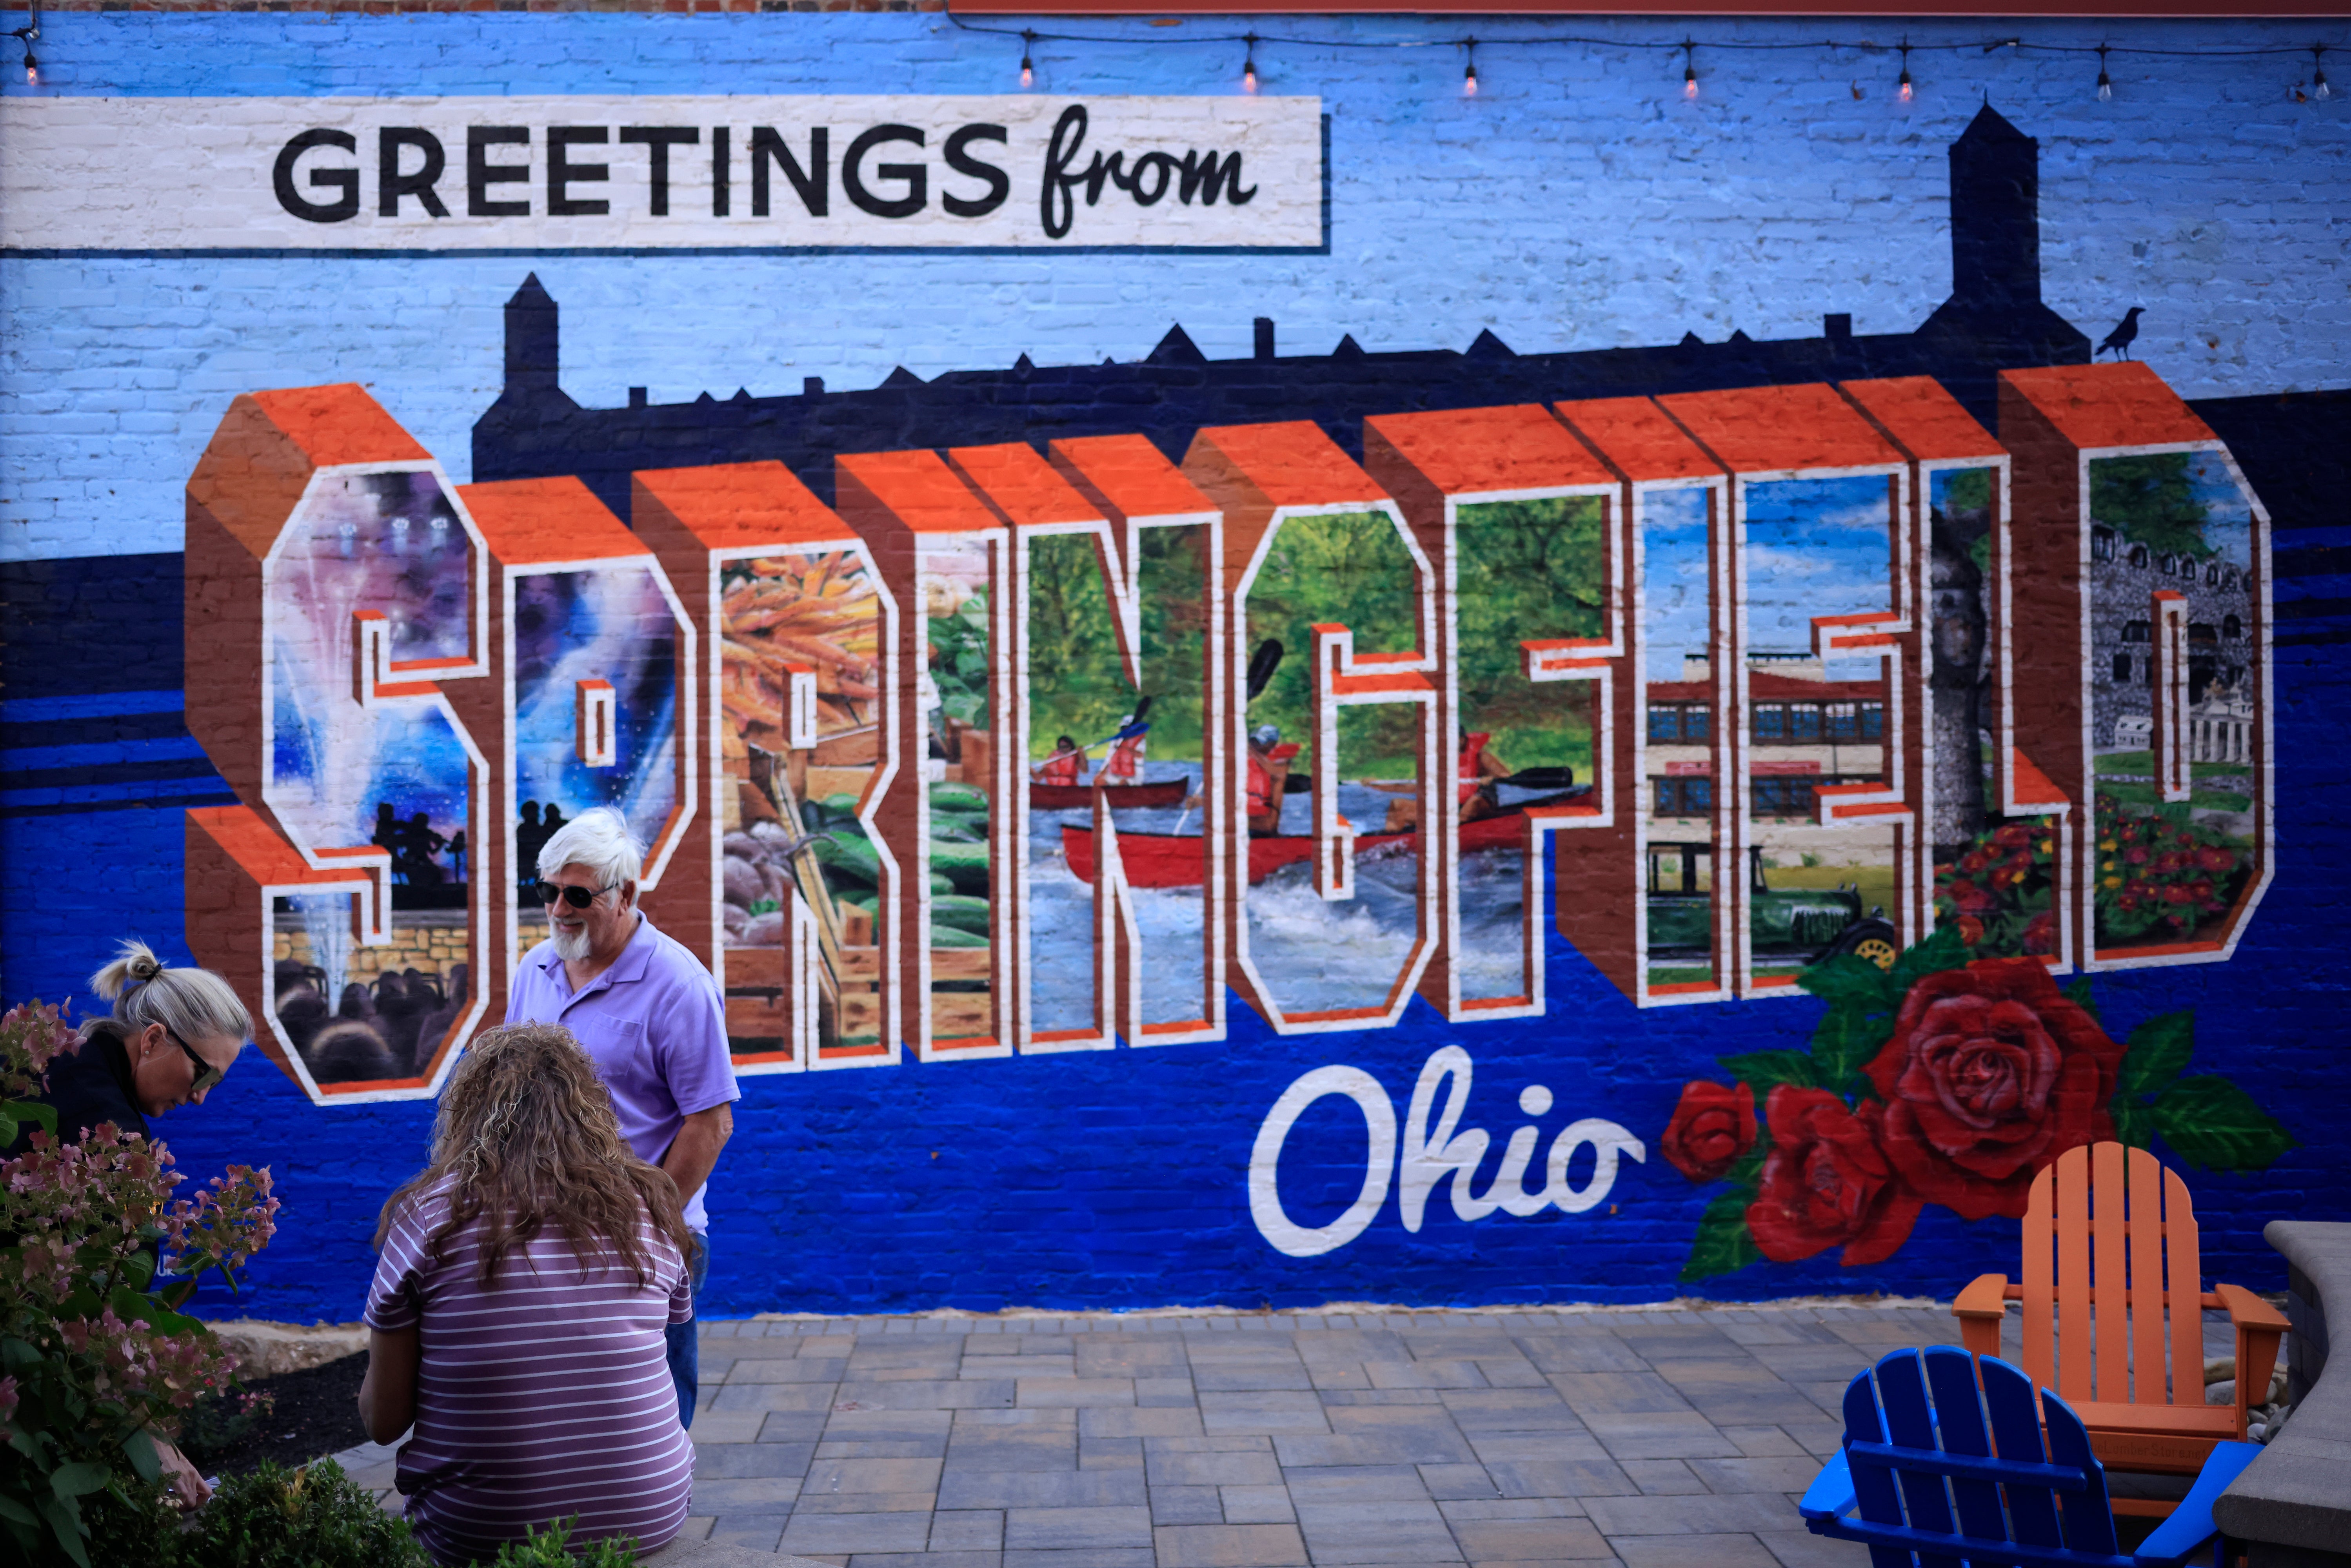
[2318,87]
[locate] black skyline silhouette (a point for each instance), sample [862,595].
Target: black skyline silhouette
[1993,320]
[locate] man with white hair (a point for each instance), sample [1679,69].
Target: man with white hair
[649,1015]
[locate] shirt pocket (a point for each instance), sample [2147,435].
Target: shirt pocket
[618,1047]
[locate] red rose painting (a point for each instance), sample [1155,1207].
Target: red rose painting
[1940,1081]
[1827,1183]
[1990,1074]
[1712,1127]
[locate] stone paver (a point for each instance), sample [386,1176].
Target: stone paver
[1646,1440]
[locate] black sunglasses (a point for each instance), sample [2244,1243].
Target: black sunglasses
[576,898]
[206,1073]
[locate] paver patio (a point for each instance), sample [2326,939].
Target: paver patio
[1652,1439]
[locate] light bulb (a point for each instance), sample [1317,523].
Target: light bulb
[1469,81]
[1908,93]
[1248,76]
[2106,87]
[32,67]
[1027,73]
[1905,94]
[1689,81]
[2318,88]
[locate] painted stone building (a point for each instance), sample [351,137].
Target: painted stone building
[2219,594]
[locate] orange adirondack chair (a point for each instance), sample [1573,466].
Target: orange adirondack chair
[2108,1227]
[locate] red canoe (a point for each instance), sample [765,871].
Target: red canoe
[1122,797]
[1168,860]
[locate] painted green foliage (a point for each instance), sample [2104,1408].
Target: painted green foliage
[1529,569]
[1077,684]
[1350,568]
[2151,501]
[1945,1081]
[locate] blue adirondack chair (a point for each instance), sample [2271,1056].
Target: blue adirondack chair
[1919,1480]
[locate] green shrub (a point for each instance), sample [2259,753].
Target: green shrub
[546,1549]
[316,1517]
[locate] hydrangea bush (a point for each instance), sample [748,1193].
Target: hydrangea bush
[94,1359]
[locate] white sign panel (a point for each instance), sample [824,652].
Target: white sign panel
[615,173]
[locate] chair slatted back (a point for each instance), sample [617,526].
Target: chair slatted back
[2112,1270]
[1929,1450]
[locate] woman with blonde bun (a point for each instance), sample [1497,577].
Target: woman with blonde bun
[172,1036]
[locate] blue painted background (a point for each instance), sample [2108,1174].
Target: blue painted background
[1577,202]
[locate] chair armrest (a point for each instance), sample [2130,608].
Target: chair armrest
[1980,1309]
[1831,1493]
[2190,1524]
[2259,1326]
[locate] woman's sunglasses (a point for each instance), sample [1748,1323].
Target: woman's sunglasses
[206,1073]
[576,898]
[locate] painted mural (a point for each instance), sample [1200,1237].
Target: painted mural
[1391,823]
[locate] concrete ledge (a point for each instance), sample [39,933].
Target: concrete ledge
[268,1350]
[2291,1505]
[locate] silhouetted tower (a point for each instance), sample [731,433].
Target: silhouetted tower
[531,338]
[1995,214]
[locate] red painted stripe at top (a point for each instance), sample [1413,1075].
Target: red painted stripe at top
[1128,476]
[743,505]
[919,489]
[1984,8]
[338,423]
[524,521]
[1021,484]
[1925,420]
[2112,404]
[1292,464]
[1635,434]
[1470,450]
[1767,430]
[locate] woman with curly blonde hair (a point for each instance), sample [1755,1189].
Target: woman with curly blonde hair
[518,1317]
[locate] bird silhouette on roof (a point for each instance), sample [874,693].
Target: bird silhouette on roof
[2126,332]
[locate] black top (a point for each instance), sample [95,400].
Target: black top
[86,1087]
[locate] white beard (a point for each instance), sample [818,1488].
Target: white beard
[571,948]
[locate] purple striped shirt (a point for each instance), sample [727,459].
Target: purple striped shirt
[541,1396]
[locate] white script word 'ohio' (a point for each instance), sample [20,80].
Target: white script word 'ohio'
[1428,1156]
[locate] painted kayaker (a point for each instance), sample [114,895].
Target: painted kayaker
[1268,770]
[1477,772]
[1066,766]
[1124,763]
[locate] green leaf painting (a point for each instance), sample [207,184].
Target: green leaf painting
[2213,1124]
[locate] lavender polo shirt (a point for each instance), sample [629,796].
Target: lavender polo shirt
[655,1027]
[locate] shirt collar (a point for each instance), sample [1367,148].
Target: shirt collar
[629,966]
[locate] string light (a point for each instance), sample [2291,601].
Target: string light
[1470,74]
[1028,67]
[2105,83]
[1906,93]
[25,35]
[2318,88]
[1249,65]
[1690,69]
